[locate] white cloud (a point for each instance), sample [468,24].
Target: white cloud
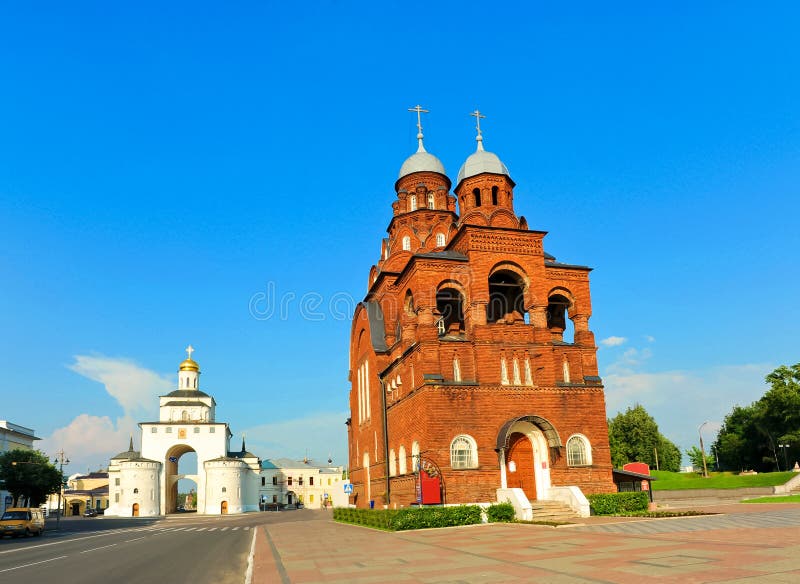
[681,400]
[613,341]
[90,441]
[323,434]
[650,338]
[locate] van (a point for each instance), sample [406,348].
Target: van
[21,521]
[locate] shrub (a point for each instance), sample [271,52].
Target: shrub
[616,503]
[500,513]
[410,518]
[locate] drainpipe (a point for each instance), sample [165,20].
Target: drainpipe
[386,444]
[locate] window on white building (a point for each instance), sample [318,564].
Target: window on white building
[169,430]
[153,430]
[212,430]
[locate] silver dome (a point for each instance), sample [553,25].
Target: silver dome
[480,162]
[421,161]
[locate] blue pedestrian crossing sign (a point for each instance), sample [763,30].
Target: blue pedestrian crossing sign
[348,488]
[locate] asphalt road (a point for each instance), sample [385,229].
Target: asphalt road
[181,548]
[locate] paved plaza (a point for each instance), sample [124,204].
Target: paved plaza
[743,543]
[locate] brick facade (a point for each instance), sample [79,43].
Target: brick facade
[462,332]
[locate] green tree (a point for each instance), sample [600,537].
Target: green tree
[750,436]
[634,437]
[696,457]
[28,474]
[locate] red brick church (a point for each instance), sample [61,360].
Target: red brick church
[473,369]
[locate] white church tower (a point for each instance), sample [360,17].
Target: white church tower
[145,483]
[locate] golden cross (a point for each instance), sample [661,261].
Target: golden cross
[189,351]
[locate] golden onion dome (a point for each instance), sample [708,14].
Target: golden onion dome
[189,365]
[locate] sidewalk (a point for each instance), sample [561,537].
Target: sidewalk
[745,546]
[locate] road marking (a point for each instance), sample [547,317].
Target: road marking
[33,564]
[98,548]
[190,529]
[224,528]
[234,528]
[212,528]
[30,547]
[248,578]
[134,539]
[246,527]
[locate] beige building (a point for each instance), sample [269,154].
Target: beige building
[287,482]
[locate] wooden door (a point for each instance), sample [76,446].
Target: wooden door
[224,508]
[136,509]
[520,452]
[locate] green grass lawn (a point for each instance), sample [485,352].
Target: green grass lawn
[675,481]
[783,499]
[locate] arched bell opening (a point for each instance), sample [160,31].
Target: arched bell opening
[506,297]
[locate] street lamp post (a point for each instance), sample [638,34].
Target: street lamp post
[61,460]
[702,449]
[785,460]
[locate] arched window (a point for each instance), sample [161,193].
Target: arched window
[412,203]
[477,194]
[224,489]
[557,306]
[506,296]
[403,469]
[579,451]
[392,463]
[415,456]
[463,452]
[440,241]
[135,491]
[184,415]
[431,201]
[494,195]
[450,305]
[528,376]
[565,370]
[406,243]
[503,371]
[517,378]
[456,369]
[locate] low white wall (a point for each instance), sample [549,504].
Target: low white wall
[571,496]
[522,507]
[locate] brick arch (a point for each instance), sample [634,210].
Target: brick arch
[547,428]
[572,309]
[504,218]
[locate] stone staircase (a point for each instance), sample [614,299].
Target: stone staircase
[552,511]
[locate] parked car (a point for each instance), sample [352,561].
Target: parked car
[90,513]
[22,521]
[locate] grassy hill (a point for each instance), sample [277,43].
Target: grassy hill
[675,481]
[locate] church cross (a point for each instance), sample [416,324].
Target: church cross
[189,351]
[478,115]
[420,111]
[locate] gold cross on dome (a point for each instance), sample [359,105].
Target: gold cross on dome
[420,111]
[189,351]
[478,115]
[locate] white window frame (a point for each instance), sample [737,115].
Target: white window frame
[459,460]
[587,451]
[406,243]
[440,240]
[402,462]
[412,206]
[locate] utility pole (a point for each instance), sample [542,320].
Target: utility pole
[61,460]
[702,449]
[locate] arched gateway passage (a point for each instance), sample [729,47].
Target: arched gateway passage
[179,469]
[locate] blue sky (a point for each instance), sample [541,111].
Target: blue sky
[164,166]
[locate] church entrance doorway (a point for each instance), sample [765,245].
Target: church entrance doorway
[76,509]
[135,511]
[521,473]
[181,479]
[224,508]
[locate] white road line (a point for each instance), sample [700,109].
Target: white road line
[223,529]
[134,539]
[234,528]
[212,528]
[98,548]
[30,547]
[248,578]
[201,529]
[246,527]
[190,529]
[33,564]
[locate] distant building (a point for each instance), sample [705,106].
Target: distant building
[89,491]
[288,482]
[14,437]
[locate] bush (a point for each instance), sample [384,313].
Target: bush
[410,518]
[617,503]
[500,513]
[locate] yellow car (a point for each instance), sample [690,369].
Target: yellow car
[22,521]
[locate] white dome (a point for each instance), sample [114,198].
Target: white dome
[421,161]
[480,162]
